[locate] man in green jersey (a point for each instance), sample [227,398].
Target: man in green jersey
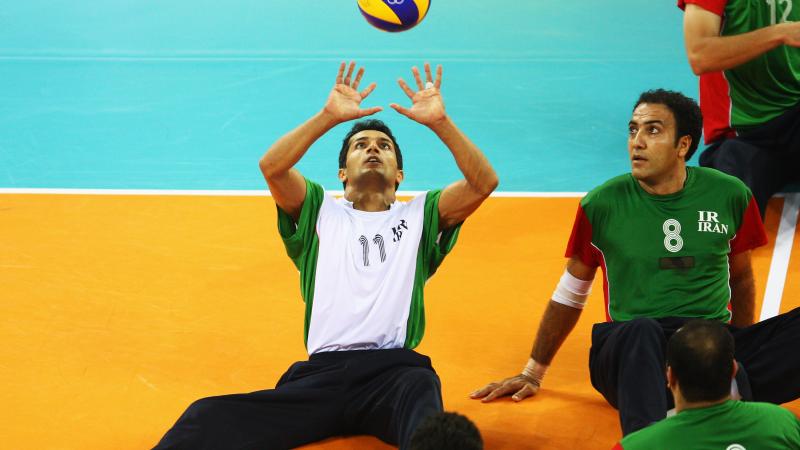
[674,244]
[700,367]
[747,54]
[363,261]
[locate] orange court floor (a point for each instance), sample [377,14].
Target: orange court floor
[118,311]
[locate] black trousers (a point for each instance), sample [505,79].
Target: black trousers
[383,393]
[626,363]
[765,158]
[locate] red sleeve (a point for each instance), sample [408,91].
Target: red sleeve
[580,241]
[618,446]
[715,6]
[751,232]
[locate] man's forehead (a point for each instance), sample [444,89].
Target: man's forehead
[648,112]
[370,134]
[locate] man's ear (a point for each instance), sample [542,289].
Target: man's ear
[683,145]
[399,177]
[342,176]
[671,379]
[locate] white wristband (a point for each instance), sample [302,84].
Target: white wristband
[572,291]
[535,371]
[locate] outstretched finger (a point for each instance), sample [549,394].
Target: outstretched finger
[404,86]
[359,74]
[523,393]
[341,72]
[482,392]
[438,82]
[369,111]
[415,71]
[428,76]
[368,90]
[499,392]
[349,73]
[402,110]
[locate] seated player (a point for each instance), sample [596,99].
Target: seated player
[700,367]
[674,244]
[363,261]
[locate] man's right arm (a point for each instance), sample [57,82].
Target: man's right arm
[286,184]
[558,321]
[709,52]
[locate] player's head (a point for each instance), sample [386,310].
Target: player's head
[370,150]
[663,133]
[700,361]
[446,431]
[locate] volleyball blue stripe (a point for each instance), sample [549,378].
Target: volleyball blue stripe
[407,11]
[382,24]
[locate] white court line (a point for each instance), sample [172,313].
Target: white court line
[244,193]
[780,256]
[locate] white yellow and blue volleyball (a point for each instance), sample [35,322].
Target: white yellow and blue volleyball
[394,15]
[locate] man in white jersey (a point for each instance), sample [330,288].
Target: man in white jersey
[363,262]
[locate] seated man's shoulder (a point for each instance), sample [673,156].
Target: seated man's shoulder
[767,410]
[770,420]
[610,189]
[707,175]
[653,435]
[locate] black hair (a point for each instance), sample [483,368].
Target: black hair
[446,431]
[688,118]
[700,354]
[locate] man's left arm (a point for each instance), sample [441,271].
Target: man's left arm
[463,197]
[743,290]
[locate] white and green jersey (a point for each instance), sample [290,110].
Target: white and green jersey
[362,273]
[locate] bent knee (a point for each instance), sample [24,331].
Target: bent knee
[644,324]
[644,331]
[203,407]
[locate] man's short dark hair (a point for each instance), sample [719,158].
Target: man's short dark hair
[446,431]
[688,118]
[700,354]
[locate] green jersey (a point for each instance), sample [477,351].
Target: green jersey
[362,273]
[666,255]
[759,90]
[731,425]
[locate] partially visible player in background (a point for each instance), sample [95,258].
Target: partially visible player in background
[747,55]
[674,244]
[700,367]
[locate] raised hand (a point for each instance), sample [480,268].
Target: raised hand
[427,106]
[519,387]
[344,101]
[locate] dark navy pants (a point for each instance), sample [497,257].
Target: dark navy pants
[626,363]
[383,393]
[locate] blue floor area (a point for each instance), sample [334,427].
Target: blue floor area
[188,95]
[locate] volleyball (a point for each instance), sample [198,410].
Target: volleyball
[394,15]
